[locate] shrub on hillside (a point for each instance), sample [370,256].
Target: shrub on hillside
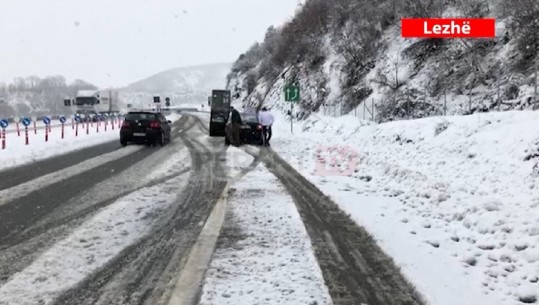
[526,27]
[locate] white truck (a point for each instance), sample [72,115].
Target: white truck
[97,101]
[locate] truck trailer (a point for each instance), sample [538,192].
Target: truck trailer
[97,102]
[219,113]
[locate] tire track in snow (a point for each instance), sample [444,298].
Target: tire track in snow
[146,272]
[21,190]
[48,215]
[90,246]
[355,269]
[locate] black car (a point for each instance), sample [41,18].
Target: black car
[145,127]
[251,130]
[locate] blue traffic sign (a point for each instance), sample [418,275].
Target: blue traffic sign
[46,120]
[4,123]
[26,121]
[62,119]
[78,119]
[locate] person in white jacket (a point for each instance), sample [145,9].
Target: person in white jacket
[265,118]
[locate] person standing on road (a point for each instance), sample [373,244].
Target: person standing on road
[265,118]
[235,119]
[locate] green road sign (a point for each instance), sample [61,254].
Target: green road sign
[291,93]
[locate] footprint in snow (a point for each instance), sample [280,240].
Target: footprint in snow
[433,243]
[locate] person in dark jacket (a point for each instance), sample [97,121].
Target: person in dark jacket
[235,119]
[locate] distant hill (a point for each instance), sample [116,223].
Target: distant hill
[186,85]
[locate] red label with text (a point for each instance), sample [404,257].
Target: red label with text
[448,27]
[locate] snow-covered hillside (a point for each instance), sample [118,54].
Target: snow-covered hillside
[183,85]
[348,57]
[453,200]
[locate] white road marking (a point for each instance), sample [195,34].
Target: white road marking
[188,285]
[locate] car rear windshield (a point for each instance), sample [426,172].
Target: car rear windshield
[140,117]
[249,117]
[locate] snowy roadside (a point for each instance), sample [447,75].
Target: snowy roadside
[18,153]
[264,255]
[452,199]
[99,239]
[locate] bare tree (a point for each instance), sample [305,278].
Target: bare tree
[526,26]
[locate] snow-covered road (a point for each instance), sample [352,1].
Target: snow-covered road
[451,200]
[264,255]
[109,231]
[353,267]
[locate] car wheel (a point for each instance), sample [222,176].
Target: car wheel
[227,141]
[123,142]
[161,140]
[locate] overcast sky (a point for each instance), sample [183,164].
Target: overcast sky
[116,42]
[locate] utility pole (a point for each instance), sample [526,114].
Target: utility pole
[364,109]
[498,91]
[535,87]
[408,106]
[372,110]
[470,100]
[445,102]
[110,101]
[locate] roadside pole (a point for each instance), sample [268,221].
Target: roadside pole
[372,110]
[445,103]
[364,109]
[535,87]
[3,124]
[499,101]
[26,122]
[292,95]
[291,117]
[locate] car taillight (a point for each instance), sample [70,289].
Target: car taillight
[259,127]
[155,124]
[125,125]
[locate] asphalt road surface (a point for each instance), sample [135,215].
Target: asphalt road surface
[354,268]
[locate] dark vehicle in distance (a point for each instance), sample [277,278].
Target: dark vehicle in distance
[251,130]
[220,111]
[145,127]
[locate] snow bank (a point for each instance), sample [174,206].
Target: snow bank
[453,199]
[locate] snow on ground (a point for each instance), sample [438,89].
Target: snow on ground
[17,153]
[98,240]
[236,161]
[452,199]
[271,261]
